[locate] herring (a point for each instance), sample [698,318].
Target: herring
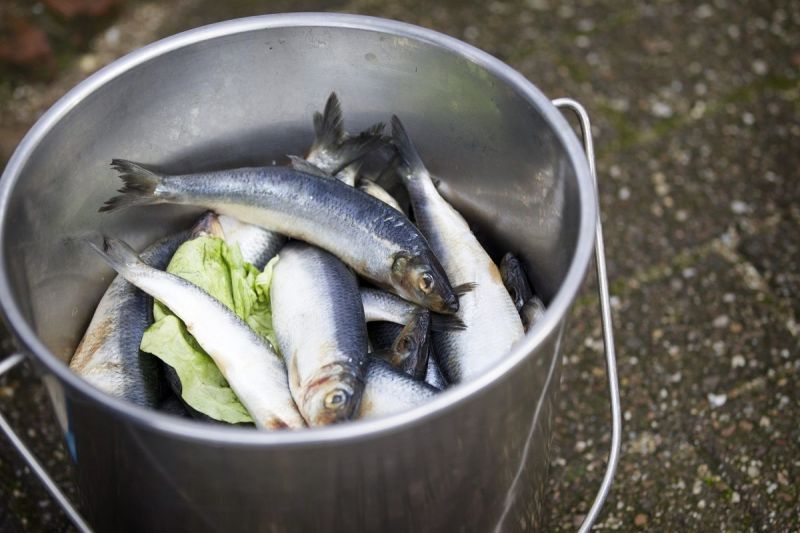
[515,280]
[365,233]
[433,375]
[492,322]
[532,312]
[388,391]
[321,331]
[383,306]
[108,356]
[373,189]
[257,245]
[409,350]
[254,371]
[336,152]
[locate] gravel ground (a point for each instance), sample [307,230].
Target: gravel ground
[695,109]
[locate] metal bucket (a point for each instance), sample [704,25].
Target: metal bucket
[241,93]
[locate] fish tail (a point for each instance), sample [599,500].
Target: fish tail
[139,186]
[442,323]
[328,126]
[117,254]
[411,165]
[330,135]
[298,163]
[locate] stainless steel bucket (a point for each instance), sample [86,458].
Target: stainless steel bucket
[242,93]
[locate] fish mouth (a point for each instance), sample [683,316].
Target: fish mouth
[332,395]
[446,304]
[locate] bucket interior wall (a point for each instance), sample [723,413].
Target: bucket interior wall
[247,99]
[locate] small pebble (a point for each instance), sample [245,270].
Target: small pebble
[661,110]
[760,67]
[721,321]
[739,207]
[717,400]
[737,361]
[640,520]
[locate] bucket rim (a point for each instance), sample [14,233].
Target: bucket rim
[152,419]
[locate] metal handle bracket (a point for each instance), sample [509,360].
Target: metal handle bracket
[5,366]
[605,316]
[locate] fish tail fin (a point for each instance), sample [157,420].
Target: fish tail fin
[355,148]
[298,163]
[331,137]
[328,126]
[442,323]
[411,164]
[139,186]
[117,254]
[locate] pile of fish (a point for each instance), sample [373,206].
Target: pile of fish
[439,310]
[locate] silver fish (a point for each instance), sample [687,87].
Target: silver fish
[255,372]
[321,332]
[433,375]
[409,350]
[383,306]
[108,356]
[257,245]
[336,152]
[515,280]
[373,189]
[366,234]
[492,322]
[532,312]
[388,391]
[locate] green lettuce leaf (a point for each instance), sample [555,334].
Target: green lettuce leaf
[220,270]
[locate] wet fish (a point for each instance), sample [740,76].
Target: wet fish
[383,306]
[388,391]
[382,334]
[409,350]
[321,331]
[257,245]
[375,190]
[433,375]
[366,234]
[515,280]
[492,322]
[335,151]
[255,373]
[532,312]
[108,357]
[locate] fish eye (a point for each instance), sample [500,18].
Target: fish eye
[406,344]
[426,283]
[335,399]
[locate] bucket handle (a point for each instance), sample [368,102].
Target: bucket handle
[5,366]
[605,316]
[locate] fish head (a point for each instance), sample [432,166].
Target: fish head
[413,336]
[421,279]
[332,395]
